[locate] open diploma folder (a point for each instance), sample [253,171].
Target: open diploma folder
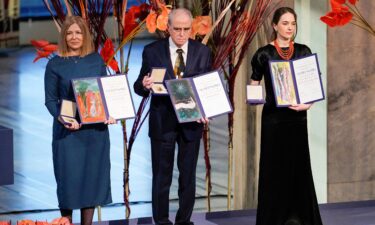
[198,97]
[296,81]
[98,98]
[158,87]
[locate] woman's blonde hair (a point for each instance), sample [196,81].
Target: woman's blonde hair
[87,46]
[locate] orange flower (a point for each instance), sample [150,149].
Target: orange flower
[151,22]
[25,222]
[156,20]
[201,25]
[107,52]
[60,221]
[162,21]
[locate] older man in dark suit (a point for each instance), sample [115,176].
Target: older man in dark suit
[182,57]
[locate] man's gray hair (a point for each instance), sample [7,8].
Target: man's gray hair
[173,13]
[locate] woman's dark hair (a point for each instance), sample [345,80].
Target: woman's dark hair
[276,18]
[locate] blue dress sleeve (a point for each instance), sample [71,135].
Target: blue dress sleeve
[51,84]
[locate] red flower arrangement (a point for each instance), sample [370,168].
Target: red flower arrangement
[346,11]
[135,15]
[107,53]
[5,223]
[43,49]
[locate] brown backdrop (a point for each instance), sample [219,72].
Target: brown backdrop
[351,110]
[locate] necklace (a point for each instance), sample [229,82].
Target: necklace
[284,54]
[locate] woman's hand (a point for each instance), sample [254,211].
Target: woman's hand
[74,125]
[110,120]
[300,107]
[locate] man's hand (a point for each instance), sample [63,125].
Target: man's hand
[147,81]
[203,120]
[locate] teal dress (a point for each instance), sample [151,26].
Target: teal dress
[80,158]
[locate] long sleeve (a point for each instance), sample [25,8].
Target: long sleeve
[51,83]
[138,86]
[209,62]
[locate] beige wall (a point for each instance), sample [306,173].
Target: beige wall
[312,32]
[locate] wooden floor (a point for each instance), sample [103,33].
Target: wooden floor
[33,194]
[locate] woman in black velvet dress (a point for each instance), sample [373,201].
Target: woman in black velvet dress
[286,188]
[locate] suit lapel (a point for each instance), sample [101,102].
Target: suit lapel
[190,58]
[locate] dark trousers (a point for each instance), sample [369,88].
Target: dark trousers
[162,171]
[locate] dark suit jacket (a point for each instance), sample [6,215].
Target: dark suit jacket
[163,122]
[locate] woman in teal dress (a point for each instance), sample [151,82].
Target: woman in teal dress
[80,152]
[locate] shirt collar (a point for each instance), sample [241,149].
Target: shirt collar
[174,47]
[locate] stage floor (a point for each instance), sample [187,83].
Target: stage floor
[349,213]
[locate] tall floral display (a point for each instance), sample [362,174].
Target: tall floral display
[230,40]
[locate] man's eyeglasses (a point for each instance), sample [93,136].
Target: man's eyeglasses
[180,29]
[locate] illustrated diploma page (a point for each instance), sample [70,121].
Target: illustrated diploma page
[198,97]
[98,98]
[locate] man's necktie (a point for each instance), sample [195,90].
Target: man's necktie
[179,66]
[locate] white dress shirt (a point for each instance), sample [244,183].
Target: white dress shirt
[173,48]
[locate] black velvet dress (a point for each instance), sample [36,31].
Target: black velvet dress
[286,188]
